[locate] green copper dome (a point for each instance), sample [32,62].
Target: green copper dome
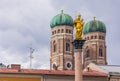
[94,26]
[61,19]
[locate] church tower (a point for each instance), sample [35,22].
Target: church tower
[94,32]
[62,51]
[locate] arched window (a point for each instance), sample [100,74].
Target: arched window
[87,38]
[58,31]
[62,31]
[54,66]
[100,37]
[66,30]
[91,37]
[52,33]
[54,47]
[87,53]
[95,37]
[100,52]
[69,31]
[55,32]
[67,47]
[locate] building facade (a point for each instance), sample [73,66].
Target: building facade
[62,51]
[94,51]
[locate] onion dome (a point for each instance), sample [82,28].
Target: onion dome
[94,26]
[61,19]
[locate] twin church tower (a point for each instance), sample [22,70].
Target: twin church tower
[62,50]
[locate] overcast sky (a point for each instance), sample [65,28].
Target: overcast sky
[26,23]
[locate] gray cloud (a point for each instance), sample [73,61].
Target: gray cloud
[23,23]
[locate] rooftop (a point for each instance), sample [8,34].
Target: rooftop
[48,72]
[110,68]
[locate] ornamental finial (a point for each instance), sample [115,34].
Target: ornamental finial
[94,17]
[79,16]
[62,11]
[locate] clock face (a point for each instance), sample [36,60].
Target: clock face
[68,65]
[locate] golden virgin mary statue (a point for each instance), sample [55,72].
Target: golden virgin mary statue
[78,24]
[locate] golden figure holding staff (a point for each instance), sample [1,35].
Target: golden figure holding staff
[78,23]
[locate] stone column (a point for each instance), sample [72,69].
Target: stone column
[78,44]
[78,65]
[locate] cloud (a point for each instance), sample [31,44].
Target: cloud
[16,57]
[23,23]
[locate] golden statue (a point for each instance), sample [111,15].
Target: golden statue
[78,23]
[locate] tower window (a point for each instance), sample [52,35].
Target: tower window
[100,52]
[54,46]
[62,31]
[66,30]
[58,31]
[87,53]
[52,33]
[67,47]
[87,38]
[69,31]
[95,37]
[91,37]
[55,31]
[100,37]
[54,66]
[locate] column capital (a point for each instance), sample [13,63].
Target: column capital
[78,50]
[78,44]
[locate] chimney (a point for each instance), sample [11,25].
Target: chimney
[16,66]
[88,69]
